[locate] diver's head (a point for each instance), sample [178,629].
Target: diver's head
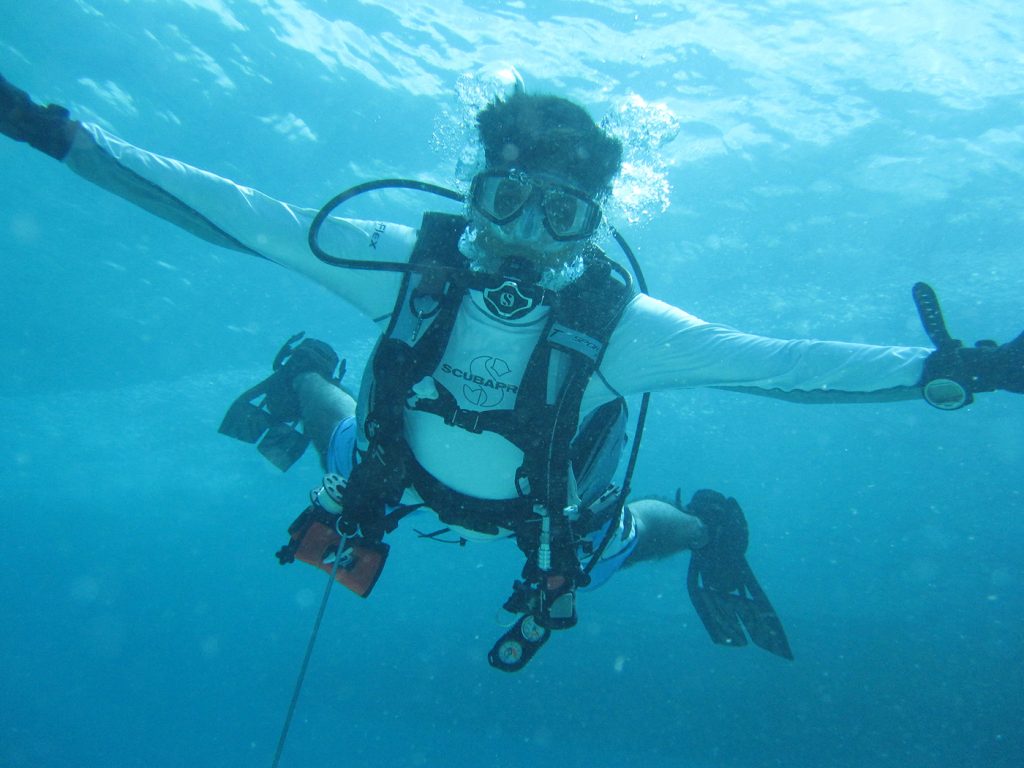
[548,167]
[549,135]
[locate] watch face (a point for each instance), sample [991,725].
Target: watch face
[508,301]
[946,394]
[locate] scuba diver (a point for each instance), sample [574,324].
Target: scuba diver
[494,398]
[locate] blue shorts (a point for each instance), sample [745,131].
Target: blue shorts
[341,452]
[341,458]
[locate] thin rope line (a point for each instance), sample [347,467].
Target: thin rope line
[305,662]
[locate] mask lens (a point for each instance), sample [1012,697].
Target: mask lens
[509,197]
[570,216]
[500,198]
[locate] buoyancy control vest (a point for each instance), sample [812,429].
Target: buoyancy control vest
[565,465]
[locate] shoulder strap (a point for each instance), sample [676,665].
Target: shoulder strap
[401,358]
[589,309]
[438,240]
[582,322]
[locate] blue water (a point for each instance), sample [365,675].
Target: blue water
[830,155]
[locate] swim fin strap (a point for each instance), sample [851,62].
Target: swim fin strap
[726,614]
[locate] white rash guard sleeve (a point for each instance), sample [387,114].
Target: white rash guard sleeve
[657,346]
[230,215]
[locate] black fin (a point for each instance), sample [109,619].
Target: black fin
[725,615]
[272,408]
[244,421]
[283,445]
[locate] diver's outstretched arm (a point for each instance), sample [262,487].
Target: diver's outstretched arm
[211,207]
[657,346]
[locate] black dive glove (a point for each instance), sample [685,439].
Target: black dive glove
[48,128]
[953,373]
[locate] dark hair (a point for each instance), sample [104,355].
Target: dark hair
[549,133]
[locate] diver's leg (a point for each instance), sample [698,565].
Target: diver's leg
[663,530]
[324,405]
[302,388]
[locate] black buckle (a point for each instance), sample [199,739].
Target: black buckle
[467,420]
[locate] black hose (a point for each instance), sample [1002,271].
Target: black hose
[359,189]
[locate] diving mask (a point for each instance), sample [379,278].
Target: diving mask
[503,196]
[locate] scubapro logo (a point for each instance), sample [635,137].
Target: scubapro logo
[507,301]
[483,386]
